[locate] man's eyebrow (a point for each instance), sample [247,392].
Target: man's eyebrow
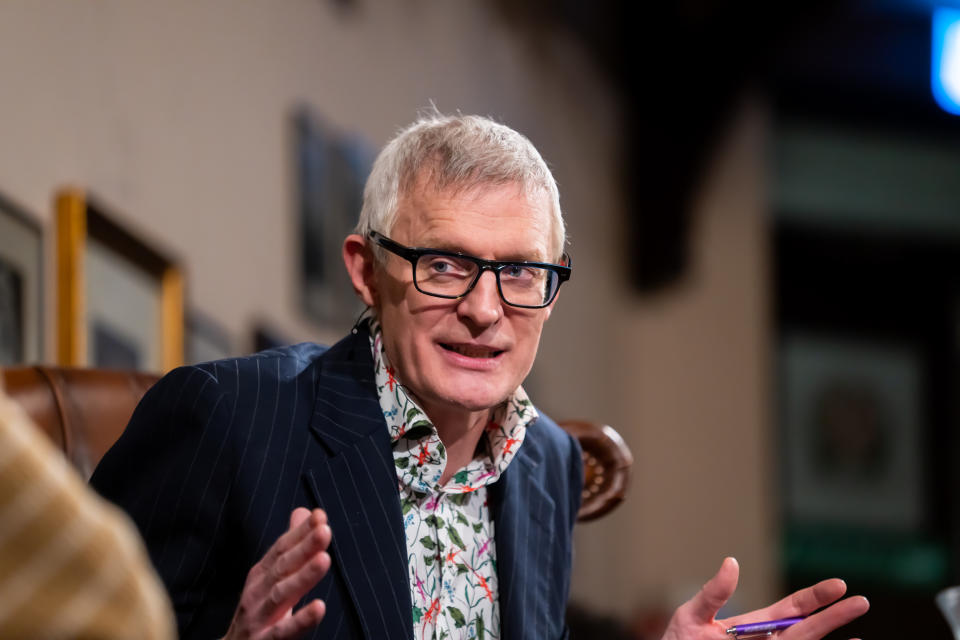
[510,257]
[519,258]
[445,246]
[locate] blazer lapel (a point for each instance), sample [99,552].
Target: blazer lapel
[522,512]
[357,487]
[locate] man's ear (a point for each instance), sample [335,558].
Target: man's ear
[358,258]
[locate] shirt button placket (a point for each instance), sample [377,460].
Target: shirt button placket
[440,512]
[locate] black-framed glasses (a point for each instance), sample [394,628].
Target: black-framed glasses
[448,274]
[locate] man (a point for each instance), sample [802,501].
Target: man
[429,499]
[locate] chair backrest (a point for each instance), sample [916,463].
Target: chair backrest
[84,411]
[606,467]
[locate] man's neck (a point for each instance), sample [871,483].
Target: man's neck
[459,431]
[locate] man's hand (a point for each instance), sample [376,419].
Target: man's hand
[695,619]
[290,568]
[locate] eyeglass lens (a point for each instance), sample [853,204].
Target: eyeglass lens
[451,276]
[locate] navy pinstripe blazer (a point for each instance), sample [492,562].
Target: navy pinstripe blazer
[218,454]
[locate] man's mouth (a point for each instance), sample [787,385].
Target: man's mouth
[472,350]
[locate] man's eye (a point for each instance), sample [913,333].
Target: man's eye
[444,266]
[516,271]
[441,266]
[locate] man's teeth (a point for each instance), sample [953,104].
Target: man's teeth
[472,351]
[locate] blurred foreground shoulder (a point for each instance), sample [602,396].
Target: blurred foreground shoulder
[74,566]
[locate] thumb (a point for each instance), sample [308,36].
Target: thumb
[715,593]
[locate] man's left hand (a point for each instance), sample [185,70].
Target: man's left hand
[696,618]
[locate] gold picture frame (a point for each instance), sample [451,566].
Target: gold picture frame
[120,301]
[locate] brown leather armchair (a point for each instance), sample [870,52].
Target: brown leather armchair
[84,411]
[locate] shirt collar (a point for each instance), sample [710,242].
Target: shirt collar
[503,436]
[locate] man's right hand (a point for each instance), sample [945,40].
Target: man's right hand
[290,568]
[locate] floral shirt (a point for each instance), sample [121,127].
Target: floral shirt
[450,535]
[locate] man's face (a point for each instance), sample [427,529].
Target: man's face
[471,353]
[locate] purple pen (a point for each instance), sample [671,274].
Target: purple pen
[759,629]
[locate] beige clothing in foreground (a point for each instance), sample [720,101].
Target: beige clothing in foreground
[71,565]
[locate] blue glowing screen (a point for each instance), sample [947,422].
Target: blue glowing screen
[945,62]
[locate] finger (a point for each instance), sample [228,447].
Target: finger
[287,592]
[823,622]
[302,522]
[715,593]
[271,568]
[316,540]
[306,618]
[799,603]
[298,515]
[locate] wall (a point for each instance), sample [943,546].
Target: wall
[176,114]
[687,379]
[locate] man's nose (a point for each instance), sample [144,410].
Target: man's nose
[483,304]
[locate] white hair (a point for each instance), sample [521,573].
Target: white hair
[460,152]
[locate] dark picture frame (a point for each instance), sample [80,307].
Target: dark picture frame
[119,298]
[332,169]
[21,286]
[853,443]
[206,339]
[264,336]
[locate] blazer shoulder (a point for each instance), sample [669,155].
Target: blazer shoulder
[289,361]
[195,389]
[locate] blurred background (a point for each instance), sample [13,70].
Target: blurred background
[764,214]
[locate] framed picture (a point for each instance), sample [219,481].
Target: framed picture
[21,286]
[119,299]
[265,337]
[331,170]
[853,442]
[206,339]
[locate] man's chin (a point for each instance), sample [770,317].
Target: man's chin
[473,401]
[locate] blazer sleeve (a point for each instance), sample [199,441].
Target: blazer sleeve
[171,471]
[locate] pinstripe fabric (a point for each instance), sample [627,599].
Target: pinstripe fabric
[217,455]
[534,506]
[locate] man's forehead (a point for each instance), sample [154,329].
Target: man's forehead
[464,218]
[426,194]
[428,184]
